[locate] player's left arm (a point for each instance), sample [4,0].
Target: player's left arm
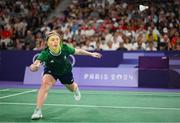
[87,53]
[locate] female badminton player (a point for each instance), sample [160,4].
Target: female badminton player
[56,67]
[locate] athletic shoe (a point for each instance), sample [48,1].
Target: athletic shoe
[37,115]
[77,95]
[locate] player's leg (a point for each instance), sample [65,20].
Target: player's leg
[47,82]
[75,89]
[68,81]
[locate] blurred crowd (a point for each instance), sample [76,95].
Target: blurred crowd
[92,24]
[20,21]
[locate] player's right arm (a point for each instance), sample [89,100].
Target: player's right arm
[35,65]
[42,57]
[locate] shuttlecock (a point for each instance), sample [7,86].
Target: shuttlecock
[142,7]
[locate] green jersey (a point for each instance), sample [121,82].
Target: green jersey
[58,64]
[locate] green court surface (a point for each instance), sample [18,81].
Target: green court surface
[17,105]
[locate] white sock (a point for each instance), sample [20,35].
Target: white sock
[38,109]
[77,92]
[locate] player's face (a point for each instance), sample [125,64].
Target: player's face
[54,41]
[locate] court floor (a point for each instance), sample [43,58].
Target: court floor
[17,105]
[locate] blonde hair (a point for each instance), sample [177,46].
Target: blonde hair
[54,32]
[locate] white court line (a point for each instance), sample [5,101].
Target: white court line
[95,106]
[120,93]
[12,95]
[99,122]
[4,89]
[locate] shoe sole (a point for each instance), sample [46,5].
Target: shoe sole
[37,118]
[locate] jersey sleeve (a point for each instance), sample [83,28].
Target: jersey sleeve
[42,56]
[70,49]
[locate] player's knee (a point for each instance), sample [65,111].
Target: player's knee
[73,86]
[45,87]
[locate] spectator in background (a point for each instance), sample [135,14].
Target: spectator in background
[151,45]
[152,35]
[121,47]
[178,46]
[98,46]
[127,44]
[175,40]
[110,46]
[139,44]
[164,41]
[30,40]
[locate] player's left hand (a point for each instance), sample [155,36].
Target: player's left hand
[96,55]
